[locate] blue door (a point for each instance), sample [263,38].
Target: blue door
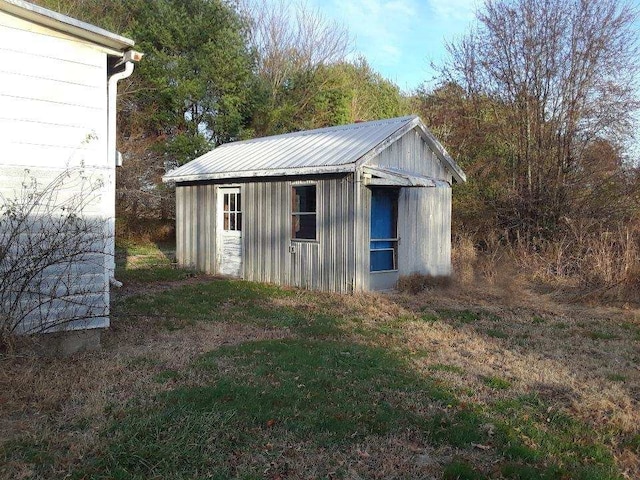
[384,229]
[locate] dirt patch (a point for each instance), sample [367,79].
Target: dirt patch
[131,288]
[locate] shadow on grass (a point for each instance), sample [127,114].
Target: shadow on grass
[329,396]
[228,300]
[238,409]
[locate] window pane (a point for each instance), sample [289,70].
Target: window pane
[382,260]
[303,209]
[232,203]
[239,205]
[226,221]
[239,222]
[304,199]
[304,227]
[295,226]
[226,202]
[232,225]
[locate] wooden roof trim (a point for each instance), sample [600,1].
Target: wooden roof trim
[384,176]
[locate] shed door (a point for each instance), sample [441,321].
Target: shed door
[383,249]
[230,232]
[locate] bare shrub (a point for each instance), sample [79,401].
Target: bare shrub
[52,256]
[145,230]
[464,256]
[416,282]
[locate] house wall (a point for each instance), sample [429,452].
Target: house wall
[53,116]
[326,264]
[424,216]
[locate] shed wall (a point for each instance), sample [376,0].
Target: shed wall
[424,215]
[325,264]
[53,116]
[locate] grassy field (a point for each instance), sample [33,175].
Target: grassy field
[212,378]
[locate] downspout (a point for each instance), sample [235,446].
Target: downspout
[113,160]
[112,95]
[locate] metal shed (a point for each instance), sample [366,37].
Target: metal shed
[347,208]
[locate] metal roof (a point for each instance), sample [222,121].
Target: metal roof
[63,23]
[325,150]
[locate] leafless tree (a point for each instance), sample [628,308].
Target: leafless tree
[51,253]
[291,37]
[293,42]
[565,75]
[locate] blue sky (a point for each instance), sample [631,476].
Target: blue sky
[401,38]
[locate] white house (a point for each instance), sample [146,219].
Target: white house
[58,87]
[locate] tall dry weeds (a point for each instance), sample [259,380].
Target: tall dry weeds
[600,261]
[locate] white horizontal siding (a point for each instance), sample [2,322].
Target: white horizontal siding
[53,98]
[16,85]
[38,111]
[53,116]
[23,36]
[40,66]
[49,135]
[97,204]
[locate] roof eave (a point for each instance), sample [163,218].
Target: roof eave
[284,172]
[66,24]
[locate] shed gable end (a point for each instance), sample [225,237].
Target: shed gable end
[411,153]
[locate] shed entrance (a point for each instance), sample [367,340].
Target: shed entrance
[383,248]
[229,254]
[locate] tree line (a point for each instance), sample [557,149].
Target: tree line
[215,72]
[536,102]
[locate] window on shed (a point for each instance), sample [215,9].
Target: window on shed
[232,212]
[303,212]
[384,229]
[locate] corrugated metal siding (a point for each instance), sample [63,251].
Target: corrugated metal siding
[326,264]
[196,227]
[411,154]
[425,230]
[424,214]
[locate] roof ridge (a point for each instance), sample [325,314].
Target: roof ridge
[315,131]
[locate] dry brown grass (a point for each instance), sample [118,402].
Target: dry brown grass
[416,283]
[588,261]
[581,359]
[40,397]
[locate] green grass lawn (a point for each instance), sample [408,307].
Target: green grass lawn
[338,396]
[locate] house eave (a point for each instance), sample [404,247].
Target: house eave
[457,173]
[68,25]
[391,177]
